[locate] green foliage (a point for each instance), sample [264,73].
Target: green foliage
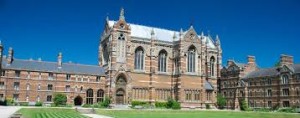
[10,102]
[287,110]
[87,105]
[176,105]
[60,99]
[38,104]
[221,101]
[105,102]
[138,103]
[3,102]
[23,103]
[244,105]
[207,106]
[160,104]
[172,104]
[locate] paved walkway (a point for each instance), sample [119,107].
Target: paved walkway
[7,111]
[96,116]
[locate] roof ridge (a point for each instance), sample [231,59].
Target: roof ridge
[55,62]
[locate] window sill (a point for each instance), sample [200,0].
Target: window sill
[139,71]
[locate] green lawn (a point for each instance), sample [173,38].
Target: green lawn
[49,113]
[191,114]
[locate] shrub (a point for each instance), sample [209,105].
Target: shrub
[169,103]
[23,103]
[60,99]
[38,104]
[105,102]
[138,103]
[87,105]
[207,106]
[244,105]
[10,102]
[286,110]
[3,102]
[160,104]
[221,101]
[176,105]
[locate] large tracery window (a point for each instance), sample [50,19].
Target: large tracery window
[162,61]
[139,59]
[191,59]
[89,96]
[212,66]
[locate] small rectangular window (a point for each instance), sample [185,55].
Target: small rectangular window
[68,88]
[3,73]
[16,97]
[17,73]
[2,85]
[50,87]
[286,104]
[16,85]
[98,79]
[285,92]
[49,98]
[68,77]
[50,76]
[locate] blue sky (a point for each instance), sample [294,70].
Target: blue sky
[42,28]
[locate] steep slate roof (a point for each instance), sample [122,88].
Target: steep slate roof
[270,72]
[19,64]
[208,86]
[141,31]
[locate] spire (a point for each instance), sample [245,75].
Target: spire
[122,17]
[181,32]
[217,40]
[202,34]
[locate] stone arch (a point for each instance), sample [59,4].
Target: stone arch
[100,95]
[78,100]
[89,96]
[120,89]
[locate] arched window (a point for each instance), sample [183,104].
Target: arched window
[162,61]
[139,59]
[191,59]
[89,96]
[100,95]
[212,66]
[285,79]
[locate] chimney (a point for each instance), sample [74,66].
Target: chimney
[286,60]
[10,56]
[251,60]
[59,60]
[230,62]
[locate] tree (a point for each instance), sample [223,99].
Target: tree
[60,99]
[221,101]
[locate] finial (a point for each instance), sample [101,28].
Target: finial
[107,19]
[0,43]
[218,43]
[152,32]
[122,17]
[181,32]
[174,36]
[202,34]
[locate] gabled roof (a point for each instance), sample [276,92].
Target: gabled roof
[31,65]
[262,73]
[141,31]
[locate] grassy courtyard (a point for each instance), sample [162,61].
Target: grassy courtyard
[49,113]
[191,114]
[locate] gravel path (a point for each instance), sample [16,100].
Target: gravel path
[7,111]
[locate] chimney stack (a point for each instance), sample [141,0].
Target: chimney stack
[10,55]
[230,62]
[59,60]
[251,60]
[286,60]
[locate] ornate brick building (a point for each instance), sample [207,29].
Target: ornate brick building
[261,88]
[151,64]
[135,63]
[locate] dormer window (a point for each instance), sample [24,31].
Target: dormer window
[285,79]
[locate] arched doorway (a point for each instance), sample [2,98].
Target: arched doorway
[120,96]
[120,90]
[77,101]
